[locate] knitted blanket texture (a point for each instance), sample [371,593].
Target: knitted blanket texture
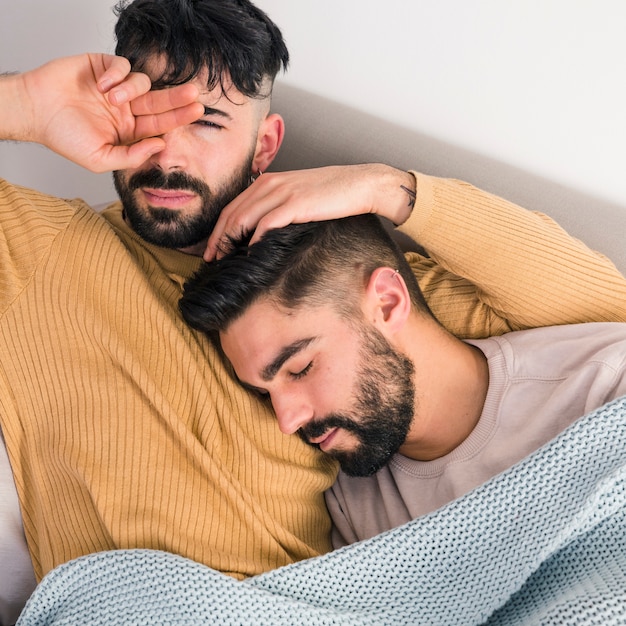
[542,543]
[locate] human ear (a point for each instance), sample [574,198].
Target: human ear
[387,298]
[269,140]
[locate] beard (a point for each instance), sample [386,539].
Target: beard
[169,228]
[383,409]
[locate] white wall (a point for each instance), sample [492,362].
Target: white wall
[538,84]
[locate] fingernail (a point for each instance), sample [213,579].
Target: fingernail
[118,96]
[105,84]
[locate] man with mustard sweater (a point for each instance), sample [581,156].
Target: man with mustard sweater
[123,426]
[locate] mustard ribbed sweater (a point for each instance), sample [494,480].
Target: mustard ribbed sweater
[520,269]
[124,427]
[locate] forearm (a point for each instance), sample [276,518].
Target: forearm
[526,267]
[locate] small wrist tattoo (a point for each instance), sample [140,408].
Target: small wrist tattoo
[412,196]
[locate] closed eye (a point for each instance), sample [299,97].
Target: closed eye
[213,113]
[208,124]
[302,373]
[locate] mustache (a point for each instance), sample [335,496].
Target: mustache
[158,179]
[317,428]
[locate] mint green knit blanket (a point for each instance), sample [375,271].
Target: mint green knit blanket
[542,543]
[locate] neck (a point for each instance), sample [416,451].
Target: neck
[451,382]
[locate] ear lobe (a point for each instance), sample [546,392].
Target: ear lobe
[388,298]
[269,140]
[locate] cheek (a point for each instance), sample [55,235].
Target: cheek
[336,386]
[221,163]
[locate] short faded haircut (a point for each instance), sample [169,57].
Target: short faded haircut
[313,264]
[232,39]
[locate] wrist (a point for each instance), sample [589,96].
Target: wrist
[15,106]
[400,195]
[391,191]
[410,189]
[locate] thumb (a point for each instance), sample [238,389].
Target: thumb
[128,157]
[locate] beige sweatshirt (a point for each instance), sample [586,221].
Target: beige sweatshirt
[540,381]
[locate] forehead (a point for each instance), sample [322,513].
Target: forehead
[255,339]
[262,326]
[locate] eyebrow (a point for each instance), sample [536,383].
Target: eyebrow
[219,112]
[270,370]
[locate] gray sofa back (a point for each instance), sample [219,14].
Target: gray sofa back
[322,132]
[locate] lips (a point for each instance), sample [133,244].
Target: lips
[325,441]
[168,198]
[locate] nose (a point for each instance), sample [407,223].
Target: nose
[292,412]
[175,154]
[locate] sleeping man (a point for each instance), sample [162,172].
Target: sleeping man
[328,322]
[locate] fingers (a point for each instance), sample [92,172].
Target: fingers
[281,215]
[134,86]
[244,214]
[156,112]
[124,157]
[163,100]
[278,199]
[111,70]
[152,125]
[272,201]
[139,152]
[115,79]
[123,86]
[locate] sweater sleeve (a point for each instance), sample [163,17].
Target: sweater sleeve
[493,266]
